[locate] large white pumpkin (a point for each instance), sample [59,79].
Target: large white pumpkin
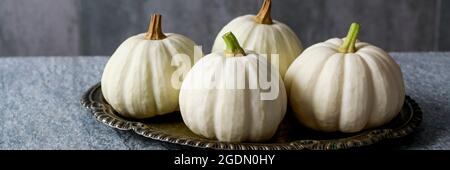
[345,86]
[263,35]
[136,81]
[214,106]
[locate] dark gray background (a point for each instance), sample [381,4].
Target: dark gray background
[97,27]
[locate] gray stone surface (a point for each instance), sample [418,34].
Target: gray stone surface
[40,109]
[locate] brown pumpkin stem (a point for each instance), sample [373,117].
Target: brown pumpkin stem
[263,16]
[154,29]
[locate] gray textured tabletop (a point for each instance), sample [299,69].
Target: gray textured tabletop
[40,104]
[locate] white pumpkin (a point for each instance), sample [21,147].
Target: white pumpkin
[214,106]
[263,35]
[344,85]
[136,81]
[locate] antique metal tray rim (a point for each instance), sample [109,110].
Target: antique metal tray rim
[100,113]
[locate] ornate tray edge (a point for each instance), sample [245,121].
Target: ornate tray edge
[100,113]
[150,133]
[381,134]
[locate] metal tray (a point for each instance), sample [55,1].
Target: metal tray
[290,135]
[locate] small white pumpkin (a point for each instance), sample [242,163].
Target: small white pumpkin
[136,81]
[263,35]
[344,85]
[214,106]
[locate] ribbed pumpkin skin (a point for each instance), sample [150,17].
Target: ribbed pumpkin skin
[230,114]
[136,81]
[331,91]
[276,38]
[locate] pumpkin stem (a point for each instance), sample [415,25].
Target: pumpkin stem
[233,47]
[263,16]
[350,40]
[154,29]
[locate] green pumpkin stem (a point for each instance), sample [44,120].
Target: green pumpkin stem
[264,16]
[233,47]
[350,40]
[154,29]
